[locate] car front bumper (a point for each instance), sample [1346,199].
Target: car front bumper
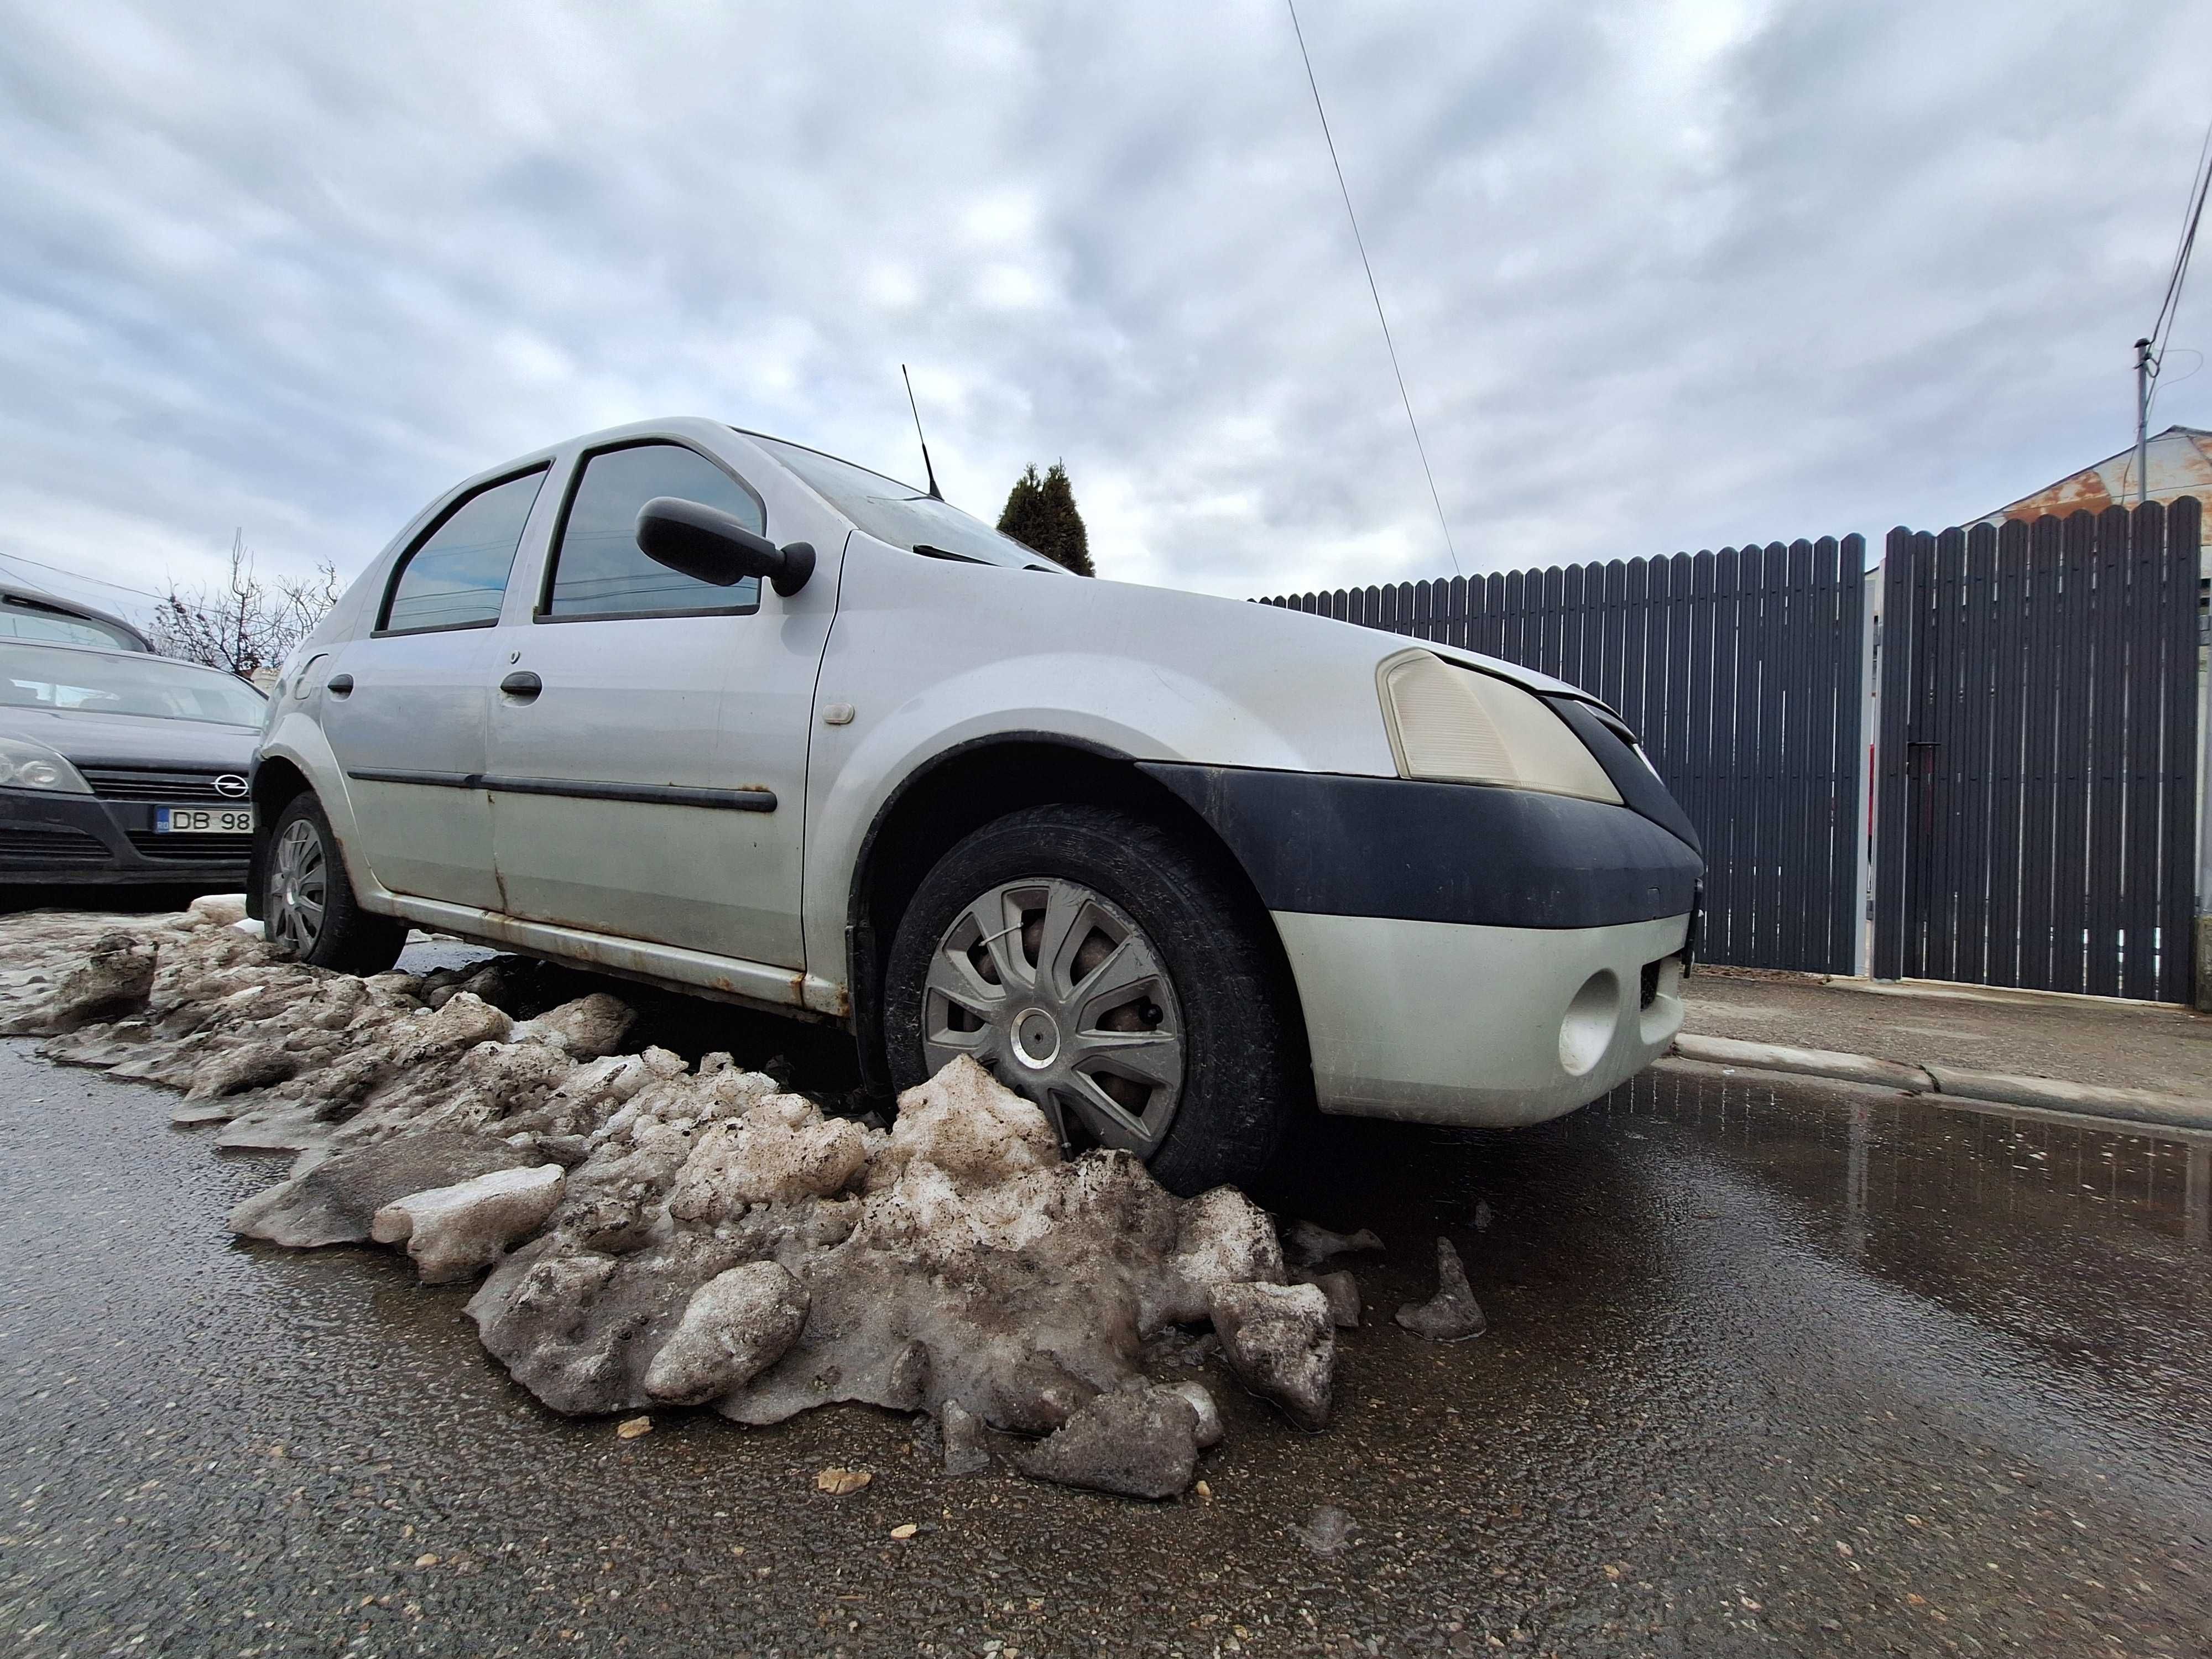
[1463,953]
[69,838]
[1493,1027]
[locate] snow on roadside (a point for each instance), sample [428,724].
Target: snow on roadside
[655,1234]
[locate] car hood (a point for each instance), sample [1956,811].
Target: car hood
[1364,643]
[1533,679]
[1373,644]
[88,738]
[1147,672]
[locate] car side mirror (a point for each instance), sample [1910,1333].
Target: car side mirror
[712,546]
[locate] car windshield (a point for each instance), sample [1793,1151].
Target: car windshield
[95,682]
[899,514]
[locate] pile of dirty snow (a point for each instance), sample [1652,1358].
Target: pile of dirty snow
[657,1234]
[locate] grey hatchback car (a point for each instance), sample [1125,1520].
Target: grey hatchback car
[119,767]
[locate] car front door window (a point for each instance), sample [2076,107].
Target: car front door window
[598,570]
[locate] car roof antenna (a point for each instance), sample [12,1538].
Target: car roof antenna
[935,494]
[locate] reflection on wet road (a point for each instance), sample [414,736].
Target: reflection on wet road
[1770,1368]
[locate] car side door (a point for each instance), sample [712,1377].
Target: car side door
[403,705]
[647,729]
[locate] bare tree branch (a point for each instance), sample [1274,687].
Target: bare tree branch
[244,627]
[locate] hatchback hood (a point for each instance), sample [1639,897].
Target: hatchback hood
[89,739]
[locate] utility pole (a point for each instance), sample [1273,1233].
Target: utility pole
[2142,422]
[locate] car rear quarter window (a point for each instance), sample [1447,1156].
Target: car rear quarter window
[600,571]
[456,575]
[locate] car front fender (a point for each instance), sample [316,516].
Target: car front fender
[295,736]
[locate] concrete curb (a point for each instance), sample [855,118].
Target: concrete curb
[1804,1062]
[2138,1105]
[1997,1088]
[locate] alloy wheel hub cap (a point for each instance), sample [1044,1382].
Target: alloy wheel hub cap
[1052,986]
[298,890]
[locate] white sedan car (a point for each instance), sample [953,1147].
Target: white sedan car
[715,711]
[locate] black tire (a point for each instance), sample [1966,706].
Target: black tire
[350,938]
[1243,1069]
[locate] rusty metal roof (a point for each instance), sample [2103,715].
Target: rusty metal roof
[2180,463]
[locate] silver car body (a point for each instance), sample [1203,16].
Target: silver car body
[828,704]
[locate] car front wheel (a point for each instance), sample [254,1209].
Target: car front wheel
[1091,961]
[308,908]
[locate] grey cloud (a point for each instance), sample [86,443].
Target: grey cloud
[1661,276]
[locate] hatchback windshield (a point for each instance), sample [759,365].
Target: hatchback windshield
[899,514]
[93,682]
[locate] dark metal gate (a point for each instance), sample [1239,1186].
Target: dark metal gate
[2036,820]
[1742,670]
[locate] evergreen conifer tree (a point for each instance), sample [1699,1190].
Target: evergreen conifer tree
[1041,514]
[1024,516]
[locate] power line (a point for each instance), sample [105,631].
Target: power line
[2151,350]
[2194,214]
[62,569]
[1360,242]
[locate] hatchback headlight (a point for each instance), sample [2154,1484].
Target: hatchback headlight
[28,765]
[1458,725]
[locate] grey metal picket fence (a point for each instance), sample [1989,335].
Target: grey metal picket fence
[2040,752]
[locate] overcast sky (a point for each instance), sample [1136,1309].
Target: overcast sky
[1662,276]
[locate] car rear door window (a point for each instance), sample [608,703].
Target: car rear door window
[456,576]
[600,571]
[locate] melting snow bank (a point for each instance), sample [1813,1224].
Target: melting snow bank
[661,1235]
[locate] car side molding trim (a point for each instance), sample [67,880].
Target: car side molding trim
[651,794]
[427,780]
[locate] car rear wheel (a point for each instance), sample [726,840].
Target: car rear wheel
[1092,962]
[308,908]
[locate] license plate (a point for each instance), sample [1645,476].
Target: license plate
[203,820]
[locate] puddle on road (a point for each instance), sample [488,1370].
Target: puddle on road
[1869,1161]
[2008,1274]
[1875,1159]
[2080,1242]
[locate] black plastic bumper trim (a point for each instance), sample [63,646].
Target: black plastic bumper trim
[1329,844]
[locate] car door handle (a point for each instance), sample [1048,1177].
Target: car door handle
[339,685]
[522,685]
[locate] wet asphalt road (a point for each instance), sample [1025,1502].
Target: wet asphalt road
[1770,1369]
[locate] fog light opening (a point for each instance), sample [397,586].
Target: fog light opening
[1663,978]
[1661,1015]
[1587,1032]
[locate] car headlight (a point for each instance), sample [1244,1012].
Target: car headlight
[28,765]
[1453,725]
